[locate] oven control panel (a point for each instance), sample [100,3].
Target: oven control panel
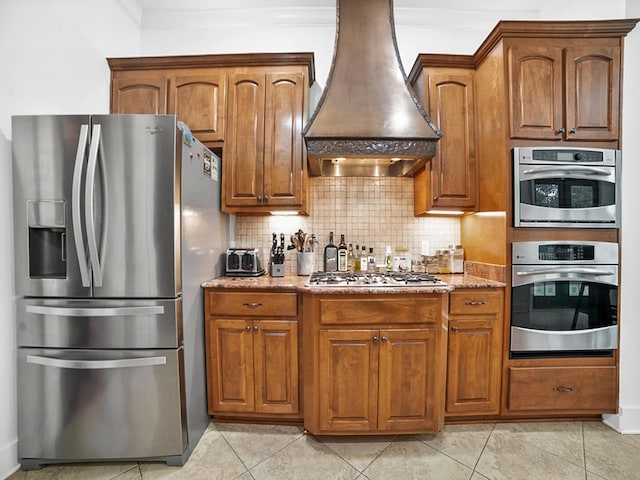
[559,252]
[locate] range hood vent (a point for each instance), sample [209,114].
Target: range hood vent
[368,121]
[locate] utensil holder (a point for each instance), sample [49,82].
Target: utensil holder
[306,261]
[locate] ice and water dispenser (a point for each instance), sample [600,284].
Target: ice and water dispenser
[47,239]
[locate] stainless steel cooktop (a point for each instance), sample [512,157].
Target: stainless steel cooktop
[381,279]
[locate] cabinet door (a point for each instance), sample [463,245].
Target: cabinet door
[139,92]
[407,384]
[593,93]
[276,366]
[473,367]
[453,169]
[243,156]
[284,164]
[231,376]
[535,90]
[200,101]
[348,383]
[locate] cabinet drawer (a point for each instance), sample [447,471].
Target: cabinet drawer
[563,388]
[258,304]
[465,302]
[373,309]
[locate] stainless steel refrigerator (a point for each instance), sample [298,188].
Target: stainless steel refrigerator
[117,223]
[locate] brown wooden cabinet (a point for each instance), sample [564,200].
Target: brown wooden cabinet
[449,180]
[252,354]
[559,390]
[265,166]
[199,100]
[474,355]
[253,106]
[139,92]
[564,89]
[374,363]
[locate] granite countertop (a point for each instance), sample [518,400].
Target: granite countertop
[297,283]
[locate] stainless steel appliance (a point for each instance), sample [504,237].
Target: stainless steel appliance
[381,279]
[243,262]
[566,187]
[117,223]
[564,298]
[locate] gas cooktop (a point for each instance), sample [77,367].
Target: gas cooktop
[381,279]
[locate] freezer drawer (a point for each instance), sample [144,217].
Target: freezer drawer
[122,324]
[99,404]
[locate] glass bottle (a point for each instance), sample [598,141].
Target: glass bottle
[330,255]
[342,254]
[350,258]
[371,262]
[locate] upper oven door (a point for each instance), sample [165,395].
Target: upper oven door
[566,195]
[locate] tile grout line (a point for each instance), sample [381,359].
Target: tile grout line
[482,452]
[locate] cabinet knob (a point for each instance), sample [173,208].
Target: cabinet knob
[435,199]
[248,328]
[255,328]
[266,198]
[384,339]
[561,389]
[454,329]
[375,339]
[259,198]
[572,131]
[560,131]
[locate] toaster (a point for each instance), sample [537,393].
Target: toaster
[243,262]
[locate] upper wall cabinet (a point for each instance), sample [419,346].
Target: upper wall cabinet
[564,89]
[139,92]
[449,180]
[199,100]
[252,105]
[265,166]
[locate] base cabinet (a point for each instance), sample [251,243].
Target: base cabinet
[373,366]
[474,352]
[252,361]
[562,390]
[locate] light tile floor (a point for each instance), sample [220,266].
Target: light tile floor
[510,451]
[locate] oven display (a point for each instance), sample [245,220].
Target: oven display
[564,252]
[580,156]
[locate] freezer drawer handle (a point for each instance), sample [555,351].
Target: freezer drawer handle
[96,364]
[95,312]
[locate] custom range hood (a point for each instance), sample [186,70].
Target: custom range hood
[368,122]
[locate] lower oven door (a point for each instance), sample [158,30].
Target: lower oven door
[99,404]
[564,308]
[566,195]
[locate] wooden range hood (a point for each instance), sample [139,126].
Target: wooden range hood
[368,121]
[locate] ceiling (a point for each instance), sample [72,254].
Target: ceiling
[451,5]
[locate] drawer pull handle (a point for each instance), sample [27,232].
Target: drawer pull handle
[560,389]
[454,329]
[252,305]
[481,302]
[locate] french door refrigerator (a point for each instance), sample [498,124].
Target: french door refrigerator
[117,223]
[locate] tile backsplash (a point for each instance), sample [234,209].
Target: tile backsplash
[374,212]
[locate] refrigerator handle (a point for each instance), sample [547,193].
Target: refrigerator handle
[88,206]
[78,235]
[96,364]
[95,311]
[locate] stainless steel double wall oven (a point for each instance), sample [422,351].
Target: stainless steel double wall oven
[564,294]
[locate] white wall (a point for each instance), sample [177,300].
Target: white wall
[53,61]
[628,419]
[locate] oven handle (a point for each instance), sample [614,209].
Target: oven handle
[583,271]
[96,364]
[567,170]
